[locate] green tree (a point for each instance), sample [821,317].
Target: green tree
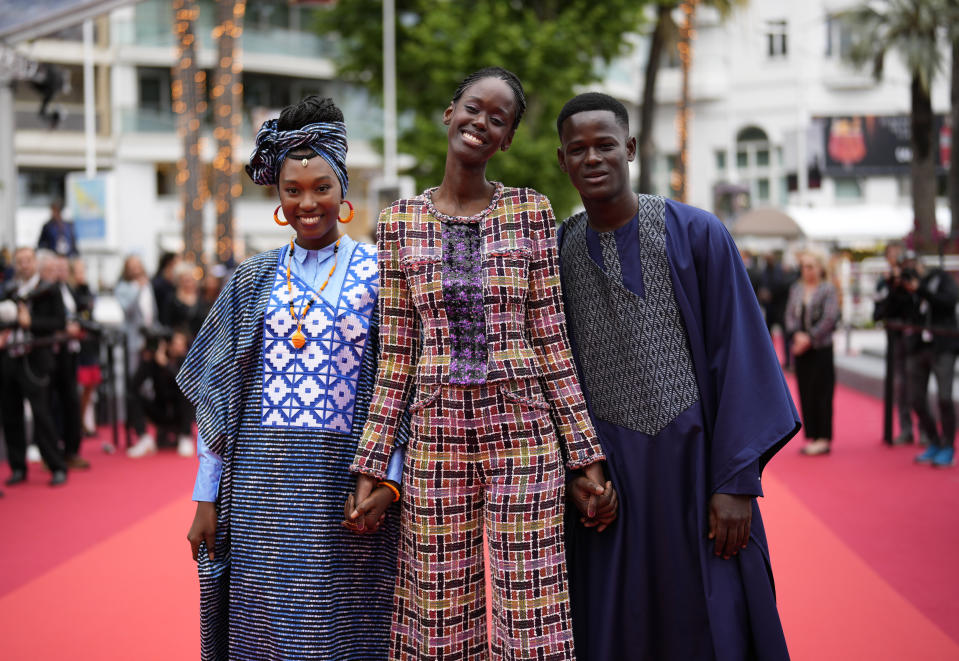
[911,29]
[556,47]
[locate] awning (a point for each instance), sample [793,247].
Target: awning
[860,223]
[766,222]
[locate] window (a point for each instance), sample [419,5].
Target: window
[166,179]
[848,188]
[762,186]
[40,187]
[838,37]
[721,159]
[154,89]
[776,39]
[755,165]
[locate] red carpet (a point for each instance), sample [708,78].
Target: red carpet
[863,545]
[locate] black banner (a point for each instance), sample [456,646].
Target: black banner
[875,144]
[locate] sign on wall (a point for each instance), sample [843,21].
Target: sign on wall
[89,201]
[875,144]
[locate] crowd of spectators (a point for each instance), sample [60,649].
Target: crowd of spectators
[917,302]
[53,354]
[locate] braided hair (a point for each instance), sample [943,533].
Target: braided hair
[310,110]
[508,77]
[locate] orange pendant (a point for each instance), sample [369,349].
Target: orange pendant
[298,339]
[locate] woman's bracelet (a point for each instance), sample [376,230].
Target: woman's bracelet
[392,486]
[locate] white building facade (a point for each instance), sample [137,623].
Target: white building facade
[137,145]
[767,81]
[769,90]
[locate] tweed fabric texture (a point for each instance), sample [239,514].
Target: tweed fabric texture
[480,457]
[522,307]
[287,581]
[633,350]
[315,386]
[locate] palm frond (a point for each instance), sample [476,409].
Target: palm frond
[908,27]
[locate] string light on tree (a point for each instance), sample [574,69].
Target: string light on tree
[687,33]
[226,95]
[187,93]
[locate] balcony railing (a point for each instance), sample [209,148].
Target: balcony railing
[152,26]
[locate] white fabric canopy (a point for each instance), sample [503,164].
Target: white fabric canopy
[860,222]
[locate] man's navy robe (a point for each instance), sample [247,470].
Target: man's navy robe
[650,587]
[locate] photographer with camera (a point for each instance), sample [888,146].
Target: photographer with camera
[931,347]
[155,396]
[894,304]
[31,310]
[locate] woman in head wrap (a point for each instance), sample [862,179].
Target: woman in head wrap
[497,408]
[281,374]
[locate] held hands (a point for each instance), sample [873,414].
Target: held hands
[730,517]
[594,497]
[203,529]
[365,509]
[801,343]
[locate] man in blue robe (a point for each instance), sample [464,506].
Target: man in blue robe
[690,403]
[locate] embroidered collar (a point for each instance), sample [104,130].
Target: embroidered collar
[301,254]
[475,218]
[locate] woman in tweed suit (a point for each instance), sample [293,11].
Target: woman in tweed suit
[812,314]
[496,403]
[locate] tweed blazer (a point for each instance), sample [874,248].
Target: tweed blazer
[525,324]
[821,315]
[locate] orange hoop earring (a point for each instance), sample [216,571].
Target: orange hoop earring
[276,217]
[352,213]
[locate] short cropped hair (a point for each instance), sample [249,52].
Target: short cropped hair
[592,101]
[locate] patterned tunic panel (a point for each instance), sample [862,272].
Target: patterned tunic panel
[633,351]
[315,386]
[463,291]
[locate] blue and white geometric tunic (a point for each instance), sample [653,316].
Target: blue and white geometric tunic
[315,386]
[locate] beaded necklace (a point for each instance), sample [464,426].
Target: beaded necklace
[298,339]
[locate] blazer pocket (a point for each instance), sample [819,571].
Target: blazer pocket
[413,264]
[507,273]
[525,393]
[425,401]
[424,275]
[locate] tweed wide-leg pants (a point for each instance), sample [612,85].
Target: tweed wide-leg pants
[482,457]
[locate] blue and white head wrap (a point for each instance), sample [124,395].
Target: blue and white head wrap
[327,139]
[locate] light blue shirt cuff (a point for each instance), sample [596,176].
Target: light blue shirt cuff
[208,473]
[394,471]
